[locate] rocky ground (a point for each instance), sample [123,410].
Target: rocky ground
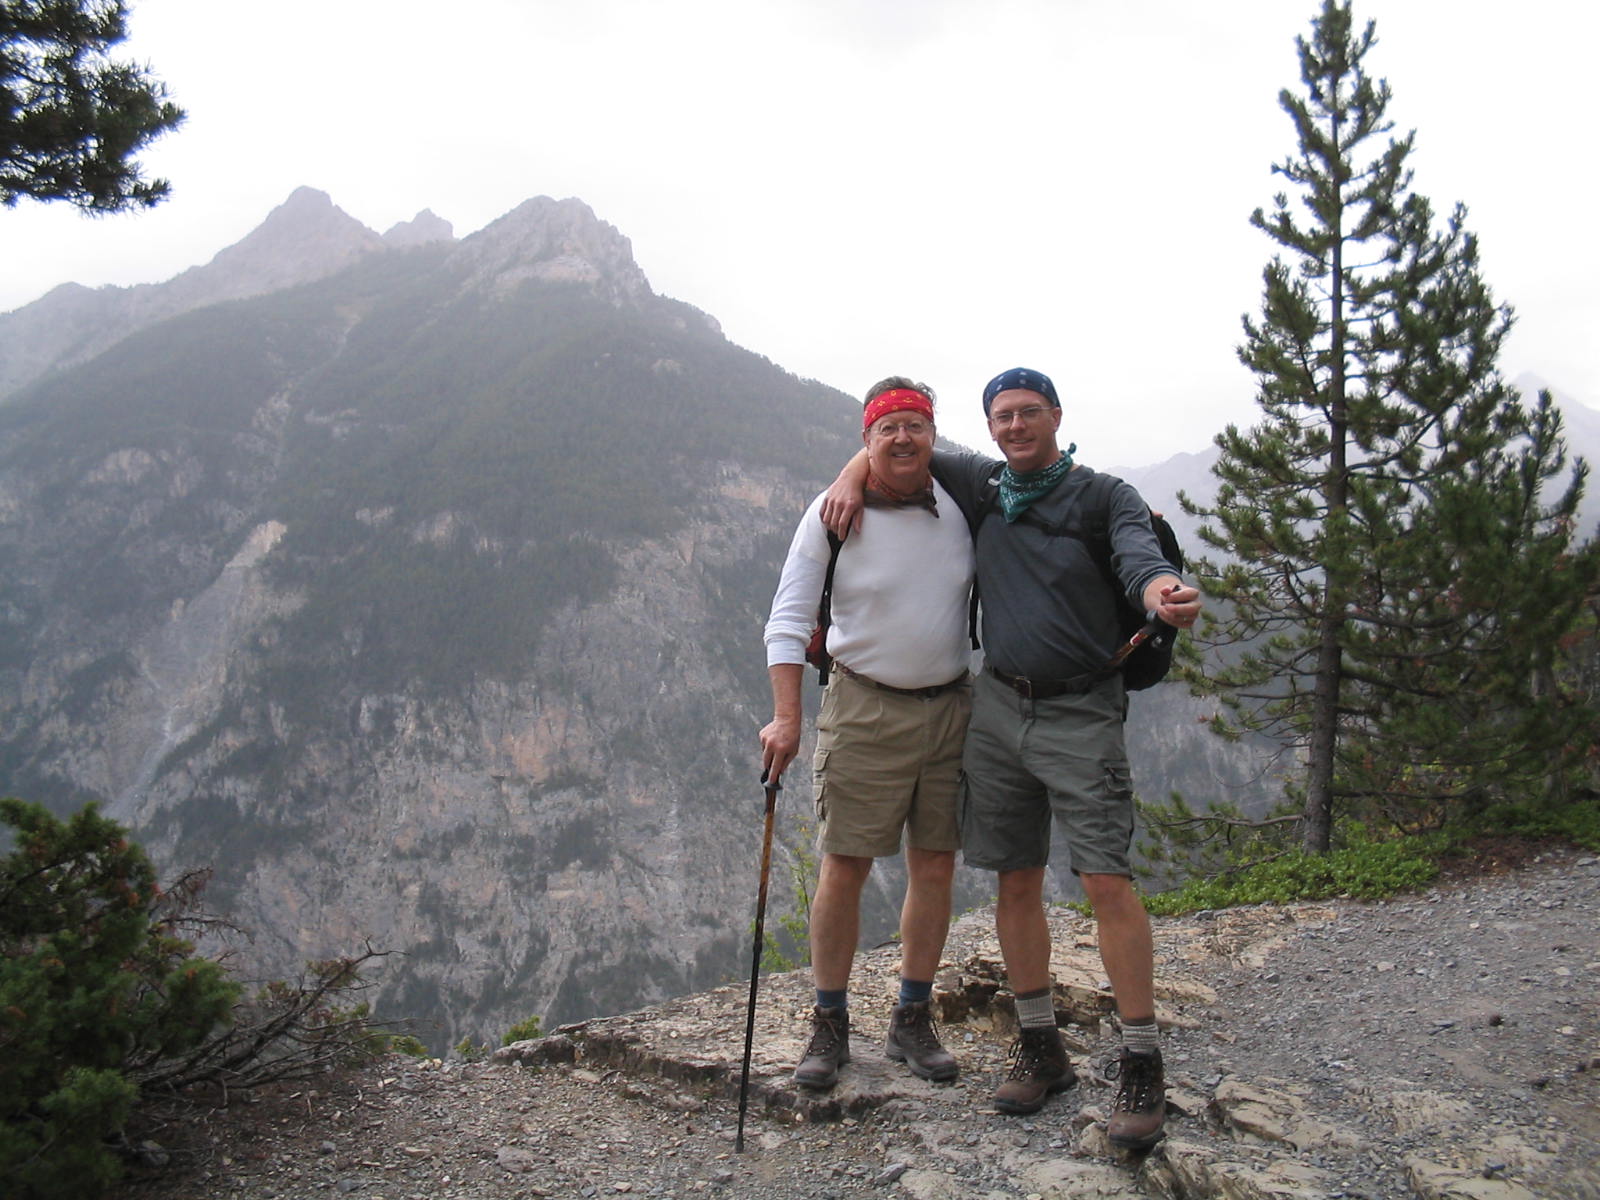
[1443,1045]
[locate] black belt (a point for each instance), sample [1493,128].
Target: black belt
[923,693]
[1048,689]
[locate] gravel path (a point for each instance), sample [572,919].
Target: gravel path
[1442,1045]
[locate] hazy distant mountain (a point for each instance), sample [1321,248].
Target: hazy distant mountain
[426,226]
[1582,426]
[1160,483]
[304,239]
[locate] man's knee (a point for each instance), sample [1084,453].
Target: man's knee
[1112,897]
[930,866]
[843,871]
[1020,887]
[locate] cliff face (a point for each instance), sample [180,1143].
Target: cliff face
[554,844]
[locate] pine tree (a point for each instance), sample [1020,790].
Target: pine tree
[1398,572]
[93,981]
[71,119]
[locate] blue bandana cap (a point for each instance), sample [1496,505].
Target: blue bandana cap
[1023,379]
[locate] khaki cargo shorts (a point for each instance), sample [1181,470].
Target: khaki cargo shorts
[1029,762]
[887,763]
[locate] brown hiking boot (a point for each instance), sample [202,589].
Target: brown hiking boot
[1039,1067]
[829,1049]
[914,1041]
[1140,1109]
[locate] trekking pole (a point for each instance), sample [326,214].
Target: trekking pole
[772,789]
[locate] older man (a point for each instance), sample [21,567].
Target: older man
[1046,737]
[893,718]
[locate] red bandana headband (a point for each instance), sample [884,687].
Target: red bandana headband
[895,400]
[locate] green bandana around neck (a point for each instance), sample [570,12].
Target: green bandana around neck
[1019,489]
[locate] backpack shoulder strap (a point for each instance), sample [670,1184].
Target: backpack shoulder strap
[835,544]
[988,494]
[825,604]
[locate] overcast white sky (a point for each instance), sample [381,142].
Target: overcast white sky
[942,188]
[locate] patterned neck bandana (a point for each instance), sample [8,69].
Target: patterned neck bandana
[881,495]
[1020,489]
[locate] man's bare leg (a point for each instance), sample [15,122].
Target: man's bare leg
[924,923]
[925,915]
[836,919]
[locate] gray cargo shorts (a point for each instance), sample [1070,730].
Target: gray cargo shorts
[1027,762]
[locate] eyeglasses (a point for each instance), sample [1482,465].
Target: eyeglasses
[1026,415]
[912,428]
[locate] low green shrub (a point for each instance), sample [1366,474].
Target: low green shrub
[523,1031]
[1365,870]
[1577,821]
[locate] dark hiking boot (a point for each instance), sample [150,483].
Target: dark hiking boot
[914,1041]
[1039,1067]
[829,1049]
[1140,1109]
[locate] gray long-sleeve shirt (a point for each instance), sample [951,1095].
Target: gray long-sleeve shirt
[1047,612]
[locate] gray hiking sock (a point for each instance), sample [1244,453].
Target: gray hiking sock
[1143,1037]
[1037,1010]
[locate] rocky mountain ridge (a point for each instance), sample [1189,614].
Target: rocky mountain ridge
[304,239]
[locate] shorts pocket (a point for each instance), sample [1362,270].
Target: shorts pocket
[1119,813]
[819,783]
[1118,781]
[825,714]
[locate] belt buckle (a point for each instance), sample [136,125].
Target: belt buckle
[1022,686]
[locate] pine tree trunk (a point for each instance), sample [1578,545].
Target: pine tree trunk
[1318,828]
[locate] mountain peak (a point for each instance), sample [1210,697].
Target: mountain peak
[427,226]
[556,241]
[304,238]
[306,198]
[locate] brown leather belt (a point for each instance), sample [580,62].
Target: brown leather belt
[925,693]
[1047,689]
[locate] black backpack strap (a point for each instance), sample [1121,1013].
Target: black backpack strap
[988,491]
[825,605]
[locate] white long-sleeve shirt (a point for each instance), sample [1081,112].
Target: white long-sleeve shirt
[900,591]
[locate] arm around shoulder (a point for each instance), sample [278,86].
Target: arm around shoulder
[845,500]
